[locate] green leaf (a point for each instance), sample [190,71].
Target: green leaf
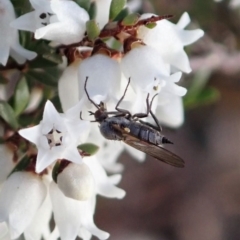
[131,19]
[84,4]
[43,62]
[22,165]
[92,10]
[121,15]
[208,95]
[55,171]
[21,97]
[89,148]
[7,113]
[93,30]
[116,7]
[151,25]
[46,76]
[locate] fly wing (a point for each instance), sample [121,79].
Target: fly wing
[157,152]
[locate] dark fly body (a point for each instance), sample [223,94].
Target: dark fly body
[123,126]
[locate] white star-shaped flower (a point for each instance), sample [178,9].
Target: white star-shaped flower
[9,42]
[56,137]
[169,40]
[61,21]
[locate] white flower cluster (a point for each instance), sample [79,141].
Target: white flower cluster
[152,58]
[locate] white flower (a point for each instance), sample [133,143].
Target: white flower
[71,215]
[56,137]
[68,89]
[153,78]
[20,198]
[104,77]
[104,186]
[102,14]
[9,43]
[76,181]
[39,227]
[169,39]
[60,21]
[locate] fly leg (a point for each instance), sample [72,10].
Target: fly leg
[149,110]
[85,88]
[123,112]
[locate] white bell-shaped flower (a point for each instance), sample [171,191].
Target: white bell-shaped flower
[104,186]
[149,74]
[169,40]
[102,13]
[68,86]
[61,21]
[9,42]
[20,198]
[104,75]
[71,215]
[39,227]
[56,137]
[76,181]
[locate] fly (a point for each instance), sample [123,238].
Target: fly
[143,136]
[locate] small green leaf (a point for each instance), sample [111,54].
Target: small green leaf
[89,148]
[55,171]
[84,4]
[131,19]
[21,97]
[92,10]
[22,165]
[7,113]
[151,25]
[46,76]
[121,15]
[92,29]
[116,7]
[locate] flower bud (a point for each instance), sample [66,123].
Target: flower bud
[76,181]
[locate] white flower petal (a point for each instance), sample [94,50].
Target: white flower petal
[103,185]
[50,113]
[73,155]
[68,83]
[69,10]
[76,182]
[39,227]
[103,8]
[4,53]
[70,32]
[31,134]
[20,54]
[105,78]
[3,230]
[191,36]
[172,113]
[70,215]
[21,196]
[25,22]
[45,159]
[66,213]
[184,20]
[180,61]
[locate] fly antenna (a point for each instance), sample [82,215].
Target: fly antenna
[85,88]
